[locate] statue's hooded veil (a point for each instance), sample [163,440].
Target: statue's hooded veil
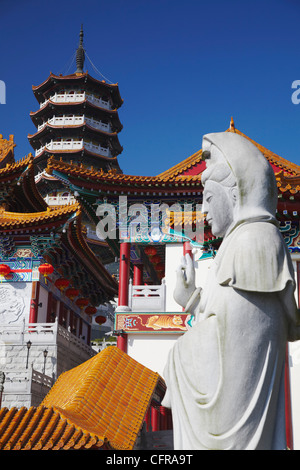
[260,260]
[256,183]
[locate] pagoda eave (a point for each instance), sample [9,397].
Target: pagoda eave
[113,89]
[50,105]
[82,128]
[81,152]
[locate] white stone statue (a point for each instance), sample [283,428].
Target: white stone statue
[225,376]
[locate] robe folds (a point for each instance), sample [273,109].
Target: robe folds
[225,376]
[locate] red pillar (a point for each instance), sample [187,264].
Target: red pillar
[163,418]
[187,249]
[138,275]
[154,419]
[124,274]
[122,342]
[124,270]
[33,315]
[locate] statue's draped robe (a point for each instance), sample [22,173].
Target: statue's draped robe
[225,376]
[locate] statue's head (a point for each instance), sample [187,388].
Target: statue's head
[239,183]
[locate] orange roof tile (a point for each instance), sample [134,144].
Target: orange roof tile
[7,149]
[196,158]
[16,219]
[99,403]
[100,176]
[286,183]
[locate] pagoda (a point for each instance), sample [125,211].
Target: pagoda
[77,119]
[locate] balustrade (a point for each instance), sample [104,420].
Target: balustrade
[147,298]
[76,120]
[68,97]
[72,144]
[41,333]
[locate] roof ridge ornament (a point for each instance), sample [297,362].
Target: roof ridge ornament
[232,126]
[80,55]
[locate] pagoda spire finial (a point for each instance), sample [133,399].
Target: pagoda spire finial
[232,126]
[80,56]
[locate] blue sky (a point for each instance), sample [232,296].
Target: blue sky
[183,69]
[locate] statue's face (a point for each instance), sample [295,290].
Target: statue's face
[218,206]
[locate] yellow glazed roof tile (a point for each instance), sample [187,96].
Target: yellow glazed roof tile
[7,149]
[99,403]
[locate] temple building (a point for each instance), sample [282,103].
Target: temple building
[79,235]
[147,319]
[51,285]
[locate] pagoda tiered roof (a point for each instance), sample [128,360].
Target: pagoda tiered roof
[100,404]
[79,78]
[49,107]
[82,129]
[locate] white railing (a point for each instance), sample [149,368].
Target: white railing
[100,345]
[75,121]
[68,97]
[24,381]
[98,124]
[63,121]
[97,149]
[74,145]
[41,333]
[98,101]
[147,298]
[61,145]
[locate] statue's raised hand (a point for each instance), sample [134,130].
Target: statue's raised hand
[185,284]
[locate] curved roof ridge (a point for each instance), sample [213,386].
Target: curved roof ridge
[196,158]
